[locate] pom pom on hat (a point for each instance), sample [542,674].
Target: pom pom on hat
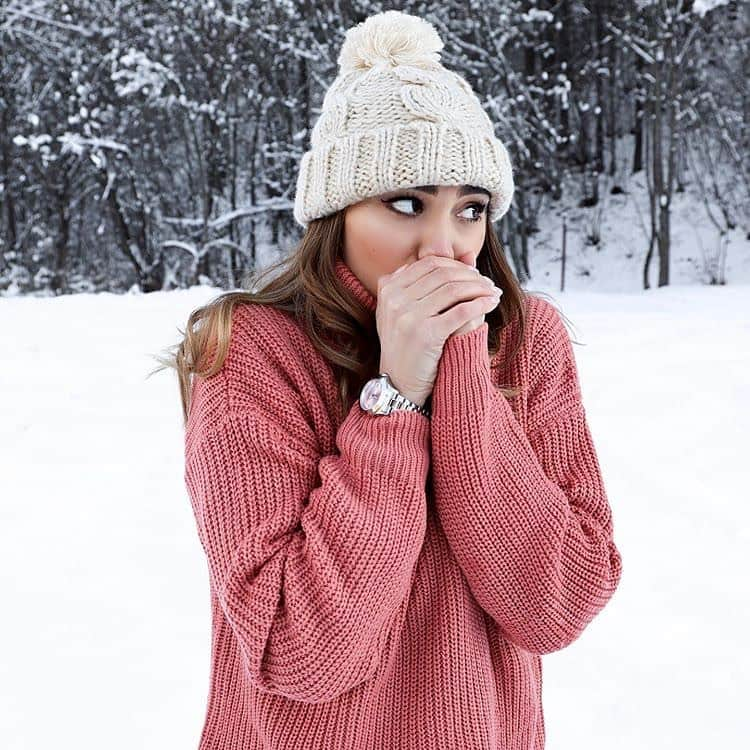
[390,38]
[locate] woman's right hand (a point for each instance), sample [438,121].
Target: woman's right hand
[418,308]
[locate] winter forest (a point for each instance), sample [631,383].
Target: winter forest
[154,146]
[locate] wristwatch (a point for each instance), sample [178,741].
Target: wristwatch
[379,396]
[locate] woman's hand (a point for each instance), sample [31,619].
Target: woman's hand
[474,323]
[419,308]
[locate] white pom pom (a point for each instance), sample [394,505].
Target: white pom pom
[390,38]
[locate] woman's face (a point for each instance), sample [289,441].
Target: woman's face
[401,226]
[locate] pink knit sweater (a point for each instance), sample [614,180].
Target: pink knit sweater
[390,583]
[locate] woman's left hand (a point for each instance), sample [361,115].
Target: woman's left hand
[471,325]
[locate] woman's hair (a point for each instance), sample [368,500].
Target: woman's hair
[339,327]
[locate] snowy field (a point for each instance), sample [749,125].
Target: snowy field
[106,629]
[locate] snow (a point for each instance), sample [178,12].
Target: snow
[105,581]
[33,141]
[537,14]
[145,74]
[701,7]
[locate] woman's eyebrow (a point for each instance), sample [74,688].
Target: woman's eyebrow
[463,190]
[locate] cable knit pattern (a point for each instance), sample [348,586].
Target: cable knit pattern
[390,582]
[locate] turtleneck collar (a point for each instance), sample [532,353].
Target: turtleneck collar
[355,286]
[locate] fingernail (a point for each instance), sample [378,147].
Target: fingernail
[400,268]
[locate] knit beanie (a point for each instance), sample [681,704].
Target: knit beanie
[394,117]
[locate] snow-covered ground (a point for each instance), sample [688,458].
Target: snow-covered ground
[106,630]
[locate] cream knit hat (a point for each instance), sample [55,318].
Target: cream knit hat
[394,118]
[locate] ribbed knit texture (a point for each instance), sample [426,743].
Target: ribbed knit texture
[390,582]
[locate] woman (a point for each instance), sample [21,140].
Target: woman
[399,500]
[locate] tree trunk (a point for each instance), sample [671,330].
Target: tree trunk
[639,117]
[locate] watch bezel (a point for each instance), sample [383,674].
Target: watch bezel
[385,399]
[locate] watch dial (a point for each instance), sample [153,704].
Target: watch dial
[371,394]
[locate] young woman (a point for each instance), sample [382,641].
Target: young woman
[389,463]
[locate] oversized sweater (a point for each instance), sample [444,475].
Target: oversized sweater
[391,582]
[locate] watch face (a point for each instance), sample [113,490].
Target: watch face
[371,393]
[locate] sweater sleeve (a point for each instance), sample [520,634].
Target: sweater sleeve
[526,513]
[311,555]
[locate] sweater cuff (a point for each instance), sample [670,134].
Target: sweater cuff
[467,354]
[395,445]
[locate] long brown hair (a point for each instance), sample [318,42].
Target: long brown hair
[305,285]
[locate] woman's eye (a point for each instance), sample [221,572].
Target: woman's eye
[479,208]
[402,200]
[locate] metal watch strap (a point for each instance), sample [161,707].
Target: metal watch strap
[399,401]
[379,396]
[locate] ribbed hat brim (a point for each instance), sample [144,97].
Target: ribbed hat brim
[341,172]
